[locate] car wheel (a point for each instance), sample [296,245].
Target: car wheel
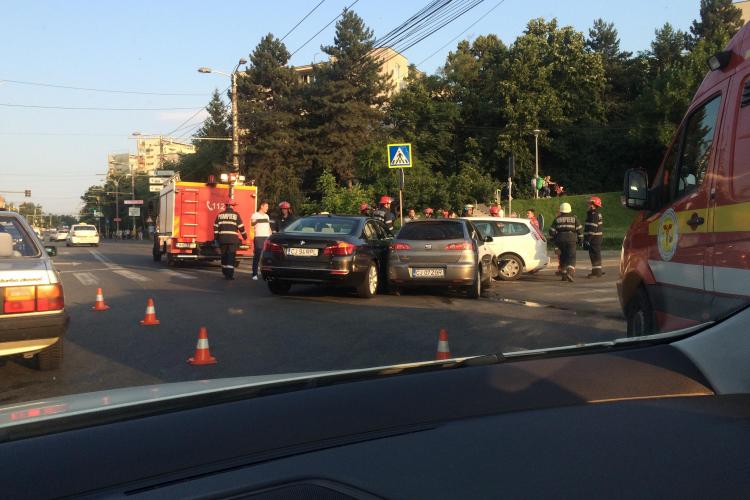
[51,357]
[475,289]
[278,287]
[639,315]
[369,286]
[510,268]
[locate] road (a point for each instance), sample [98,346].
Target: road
[252,332]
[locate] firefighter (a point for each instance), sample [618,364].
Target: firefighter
[428,213]
[364,209]
[226,226]
[495,211]
[566,231]
[468,210]
[384,211]
[592,236]
[286,217]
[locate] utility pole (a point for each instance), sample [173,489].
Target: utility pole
[536,167]
[117,205]
[132,194]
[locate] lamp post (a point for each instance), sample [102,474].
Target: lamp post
[536,164]
[235,121]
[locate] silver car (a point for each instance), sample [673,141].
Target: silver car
[441,252]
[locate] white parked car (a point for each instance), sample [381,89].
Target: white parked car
[83,234]
[517,245]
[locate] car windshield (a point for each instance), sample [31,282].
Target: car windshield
[324,225]
[323,186]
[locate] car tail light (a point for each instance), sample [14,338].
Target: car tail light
[272,247]
[400,246]
[339,248]
[19,299]
[49,297]
[464,245]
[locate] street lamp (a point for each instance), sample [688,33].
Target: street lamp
[536,168]
[235,124]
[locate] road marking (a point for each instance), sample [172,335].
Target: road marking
[89,270]
[86,279]
[602,299]
[67,264]
[101,258]
[129,274]
[178,275]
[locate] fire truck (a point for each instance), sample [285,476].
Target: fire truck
[186,214]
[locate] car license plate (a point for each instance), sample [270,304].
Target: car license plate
[302,252]
[428,273]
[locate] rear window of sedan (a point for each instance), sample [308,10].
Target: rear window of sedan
[23,245]
[439,230]
[324,225]
[84,228]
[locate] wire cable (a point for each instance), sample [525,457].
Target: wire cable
[36,106]
[89,89]
[302,20]
[323,28]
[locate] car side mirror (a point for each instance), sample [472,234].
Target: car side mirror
[635,189]
[51,251]
[488,239]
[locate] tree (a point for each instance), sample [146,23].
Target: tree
[719,21]
[210,157]
[270,114]
[344,105]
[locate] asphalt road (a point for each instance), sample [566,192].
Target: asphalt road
[252,332]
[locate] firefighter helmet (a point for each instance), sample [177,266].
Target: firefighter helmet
[468,206]
[596,201]
[428,210]
[565,208]
[385,199]
[285,204]
[363,207]
[494,210]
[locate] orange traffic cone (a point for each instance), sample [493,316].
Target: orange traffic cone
[99,305]
[443,349]
[202,355]
[150,317]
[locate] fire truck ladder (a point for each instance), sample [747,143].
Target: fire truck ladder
[189,219]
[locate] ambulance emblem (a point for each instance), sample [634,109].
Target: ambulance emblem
[668,234]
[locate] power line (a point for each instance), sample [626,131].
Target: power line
[35,106]
[462,33]
[302,20]
[322,29]
[109,91]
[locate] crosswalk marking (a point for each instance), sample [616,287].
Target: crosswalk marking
[116,268]
[177,275]
[86,279]
[602,299]
[130,275]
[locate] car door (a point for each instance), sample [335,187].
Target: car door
[376,241]
[484,251]
[677,255]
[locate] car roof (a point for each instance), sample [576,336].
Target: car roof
[495,219]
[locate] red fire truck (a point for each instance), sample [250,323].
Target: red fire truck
[186,214]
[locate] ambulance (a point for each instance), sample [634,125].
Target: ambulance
[686,258]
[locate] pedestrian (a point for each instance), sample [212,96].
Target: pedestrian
[226,226]
[559,190]
[384,213]
[364,209]
[428,213]
[262,229]
[566,231]
[539,185]
[546,186]
[514,215]
[286,217]
[411,216]
[468,210]
[593,235]
[531,215]
[445,213]
[496,211]
[453,215]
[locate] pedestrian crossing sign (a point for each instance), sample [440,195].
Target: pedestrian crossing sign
[399,156]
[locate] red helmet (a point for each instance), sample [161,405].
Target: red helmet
[385,199]
[446,213]
[428,210]
[494,210]
[230,202]
[596,201]
[285,204]
[363,206]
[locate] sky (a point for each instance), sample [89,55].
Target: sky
[156,47]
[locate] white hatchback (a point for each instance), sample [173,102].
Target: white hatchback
[83,234]
[517,245]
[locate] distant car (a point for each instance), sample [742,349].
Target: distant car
[517,244]
[62,234]
[33,319]
[442,252]
[52,235]
[328,249]
[82,234]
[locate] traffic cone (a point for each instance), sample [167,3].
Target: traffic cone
[150,317]
[202,355]
[443,349]
[99,305]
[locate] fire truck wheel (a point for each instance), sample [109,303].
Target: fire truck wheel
[640,315]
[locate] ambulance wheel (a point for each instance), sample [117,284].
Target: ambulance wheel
[278,287]
[640,315]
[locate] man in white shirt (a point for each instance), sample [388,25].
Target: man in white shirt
[262,225]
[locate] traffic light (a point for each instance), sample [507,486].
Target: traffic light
[27,193]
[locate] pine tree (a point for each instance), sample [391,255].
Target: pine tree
[210,157]
[719,22]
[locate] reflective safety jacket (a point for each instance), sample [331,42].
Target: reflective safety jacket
[593,226]
[385,216]
[226,226]
[566,228]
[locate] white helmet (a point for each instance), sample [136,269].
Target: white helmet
[565,208]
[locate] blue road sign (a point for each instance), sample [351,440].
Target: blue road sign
[399,156]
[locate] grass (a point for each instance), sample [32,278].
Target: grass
[617,218]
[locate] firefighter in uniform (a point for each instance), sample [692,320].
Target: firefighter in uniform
[226,226]
[286,217]
[495,211]
[364,209]
[384,213]
[592,236]
[428,213]
[566,231]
